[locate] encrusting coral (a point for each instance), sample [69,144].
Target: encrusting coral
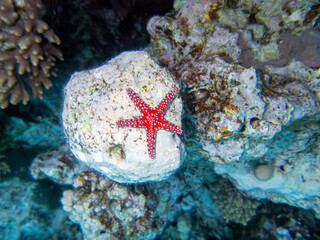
[27,51]
[94,131]
[234,204]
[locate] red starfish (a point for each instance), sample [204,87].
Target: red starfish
[151,118]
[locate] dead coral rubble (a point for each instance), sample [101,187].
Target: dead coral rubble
[27,51]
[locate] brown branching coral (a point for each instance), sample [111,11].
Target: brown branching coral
[27,51]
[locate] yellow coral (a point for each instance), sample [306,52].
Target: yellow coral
[27,51]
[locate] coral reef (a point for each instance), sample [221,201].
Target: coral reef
[247,92]
[22,218]
[253,33]
[295,179]
[194,203]
[256,123]
[106,209]
[236,207]
[277,221]
[227,101]
[27,51]
[274,32]
[59,164]
[111,210]
[179,207]
[236,108]
[96,99]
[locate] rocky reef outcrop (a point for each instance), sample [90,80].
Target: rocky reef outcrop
[96,99]
[255,103]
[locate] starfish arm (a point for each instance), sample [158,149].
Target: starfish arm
[135,122]
[140,104]
[166,101]
[151,119]
[166,125]
[151,141]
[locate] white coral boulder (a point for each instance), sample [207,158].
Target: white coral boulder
[96,99]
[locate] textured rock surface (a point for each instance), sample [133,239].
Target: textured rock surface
[95,100]
[293,153]
[108,210]
[274,32]
[193,203]
[294,157]
[266,114]
[227,101]
[179,206]
[60,165]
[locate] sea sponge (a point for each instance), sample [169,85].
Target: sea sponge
[27,51]
[263,172]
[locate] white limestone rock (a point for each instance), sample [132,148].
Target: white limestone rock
[96,99]
[294,161]
[291,172]
[227,100]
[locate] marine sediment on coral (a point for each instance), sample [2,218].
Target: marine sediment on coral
[27,51]
[96,99]
[247,91]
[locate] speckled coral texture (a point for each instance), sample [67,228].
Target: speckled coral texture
[252,73]
[96,99]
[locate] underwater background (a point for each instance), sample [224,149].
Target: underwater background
[246,166]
